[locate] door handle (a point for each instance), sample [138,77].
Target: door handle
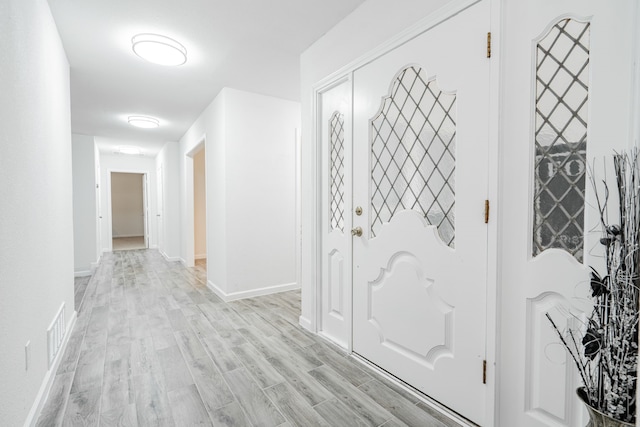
[357,231]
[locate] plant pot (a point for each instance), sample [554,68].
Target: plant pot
[597,418]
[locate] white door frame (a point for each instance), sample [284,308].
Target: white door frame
[314,246]
[145,191]
[189,260]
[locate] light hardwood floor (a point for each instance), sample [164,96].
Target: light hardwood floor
[127,243]
[154,347]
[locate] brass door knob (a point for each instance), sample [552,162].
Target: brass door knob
[357,231]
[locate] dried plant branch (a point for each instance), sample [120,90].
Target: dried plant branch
[608,364]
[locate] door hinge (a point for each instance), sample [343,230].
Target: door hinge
[486,212]
[484,372]
[489,45]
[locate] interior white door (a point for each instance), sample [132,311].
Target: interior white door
[334,133]
[567,79]
[420,137]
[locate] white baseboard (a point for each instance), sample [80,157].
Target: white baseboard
[306,323]
[83,273]
[127,235]
[183,262]
[168,258]
[226,297]
[200,256]
[95,265]
[49,377]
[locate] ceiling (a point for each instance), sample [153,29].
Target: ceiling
[251,45]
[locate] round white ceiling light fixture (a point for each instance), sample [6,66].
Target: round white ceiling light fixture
[159,49]
[129,149]
[144,122]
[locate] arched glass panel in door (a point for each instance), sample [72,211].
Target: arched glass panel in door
[413,156]
[562,77]
[336,171]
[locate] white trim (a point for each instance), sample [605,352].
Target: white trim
[226,297]
[494,165]
[189,257]
[298,204]
[463,422]
[49,377]
[435,18]
[82,273]
[109,211]
[305,323]
[168,258]
[95,265]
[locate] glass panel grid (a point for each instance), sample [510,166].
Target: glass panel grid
[413,154]
[336,161]
[561,138]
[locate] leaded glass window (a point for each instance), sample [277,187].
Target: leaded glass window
[413,154]
[336,167]
[562,76]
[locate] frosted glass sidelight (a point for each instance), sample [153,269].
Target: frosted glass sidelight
[562,76]
[413,154]
[336,173]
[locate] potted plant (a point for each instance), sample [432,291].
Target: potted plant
[605,351]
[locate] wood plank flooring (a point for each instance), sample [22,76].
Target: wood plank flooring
[154,347]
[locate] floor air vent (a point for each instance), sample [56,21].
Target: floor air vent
[55,335]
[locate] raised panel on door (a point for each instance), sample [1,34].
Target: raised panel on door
[566,100]
[333,132]
[420,174]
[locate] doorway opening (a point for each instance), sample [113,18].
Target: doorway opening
[200,208]
[129,211]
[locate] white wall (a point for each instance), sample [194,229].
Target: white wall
[250,160]
[127,204]
[168,161]
[36,208]
[261,186]
[367,27]
[199,205]
[209,127]
[125,163]
[85,242]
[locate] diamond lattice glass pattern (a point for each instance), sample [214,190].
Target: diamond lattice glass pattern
[562,91]
[413,154]
[336,161]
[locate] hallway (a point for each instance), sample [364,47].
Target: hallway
[153,346]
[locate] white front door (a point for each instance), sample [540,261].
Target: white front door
[420,134]
[334,133]
[566,99]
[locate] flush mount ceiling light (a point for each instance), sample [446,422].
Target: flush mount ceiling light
[143,122]
[159,49]
[128,149]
